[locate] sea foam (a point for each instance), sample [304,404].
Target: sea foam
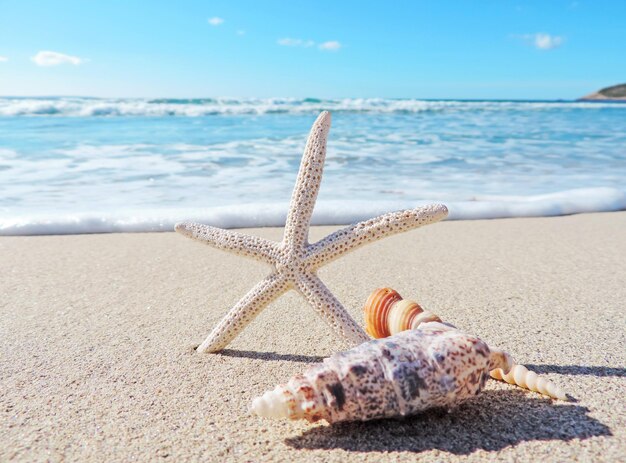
[119,107]
[87,165]
[326,213]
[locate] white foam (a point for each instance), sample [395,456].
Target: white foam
[326,213]
[115,107]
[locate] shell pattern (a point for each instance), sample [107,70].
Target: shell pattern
[387,313]
[434,366]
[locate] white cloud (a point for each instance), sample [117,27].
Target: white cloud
[241,32]
[215,21]
[3,59]
[287,42]
[53,58]
[547,41]
[331,45]
[544,41]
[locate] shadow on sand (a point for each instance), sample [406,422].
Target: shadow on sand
[492,421]
[541,369]
[578,370]
[249,354]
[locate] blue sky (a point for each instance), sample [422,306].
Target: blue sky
[328,49]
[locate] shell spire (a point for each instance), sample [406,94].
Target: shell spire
[387,313]
[435,366]
[522,377]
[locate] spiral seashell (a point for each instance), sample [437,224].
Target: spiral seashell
[435,366]
[522,377]
[386,313]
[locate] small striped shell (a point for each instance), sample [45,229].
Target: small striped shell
[386,314]
[435,366]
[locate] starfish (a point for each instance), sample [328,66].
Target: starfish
[295,261]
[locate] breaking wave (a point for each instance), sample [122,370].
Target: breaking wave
[198,107]
[326,213]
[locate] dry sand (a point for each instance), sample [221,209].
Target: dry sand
[98,334]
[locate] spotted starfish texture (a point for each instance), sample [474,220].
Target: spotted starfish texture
[294,260]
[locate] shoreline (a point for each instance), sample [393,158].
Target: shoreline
[327,213]
[99,333]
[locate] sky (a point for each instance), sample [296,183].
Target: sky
[324,49]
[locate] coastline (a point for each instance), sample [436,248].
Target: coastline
[601,98]
[333,213]
[99,334]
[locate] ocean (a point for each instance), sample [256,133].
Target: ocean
[87,165]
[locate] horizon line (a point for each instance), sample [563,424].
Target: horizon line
[298,98]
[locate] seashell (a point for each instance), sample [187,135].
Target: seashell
[521,376]
[387,313]
[435,366]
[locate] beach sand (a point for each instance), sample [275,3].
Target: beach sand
[98,335]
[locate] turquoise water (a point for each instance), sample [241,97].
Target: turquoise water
[84,165]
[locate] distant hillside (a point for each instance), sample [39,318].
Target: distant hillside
[616,92]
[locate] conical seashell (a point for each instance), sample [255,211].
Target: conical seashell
[386,313]
[521,376]
[435,366]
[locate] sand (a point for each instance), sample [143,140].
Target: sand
[98,335]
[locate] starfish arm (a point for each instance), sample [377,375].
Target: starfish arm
[269,289]
[330,309]
[307,184]
[354,236]
[228,240]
